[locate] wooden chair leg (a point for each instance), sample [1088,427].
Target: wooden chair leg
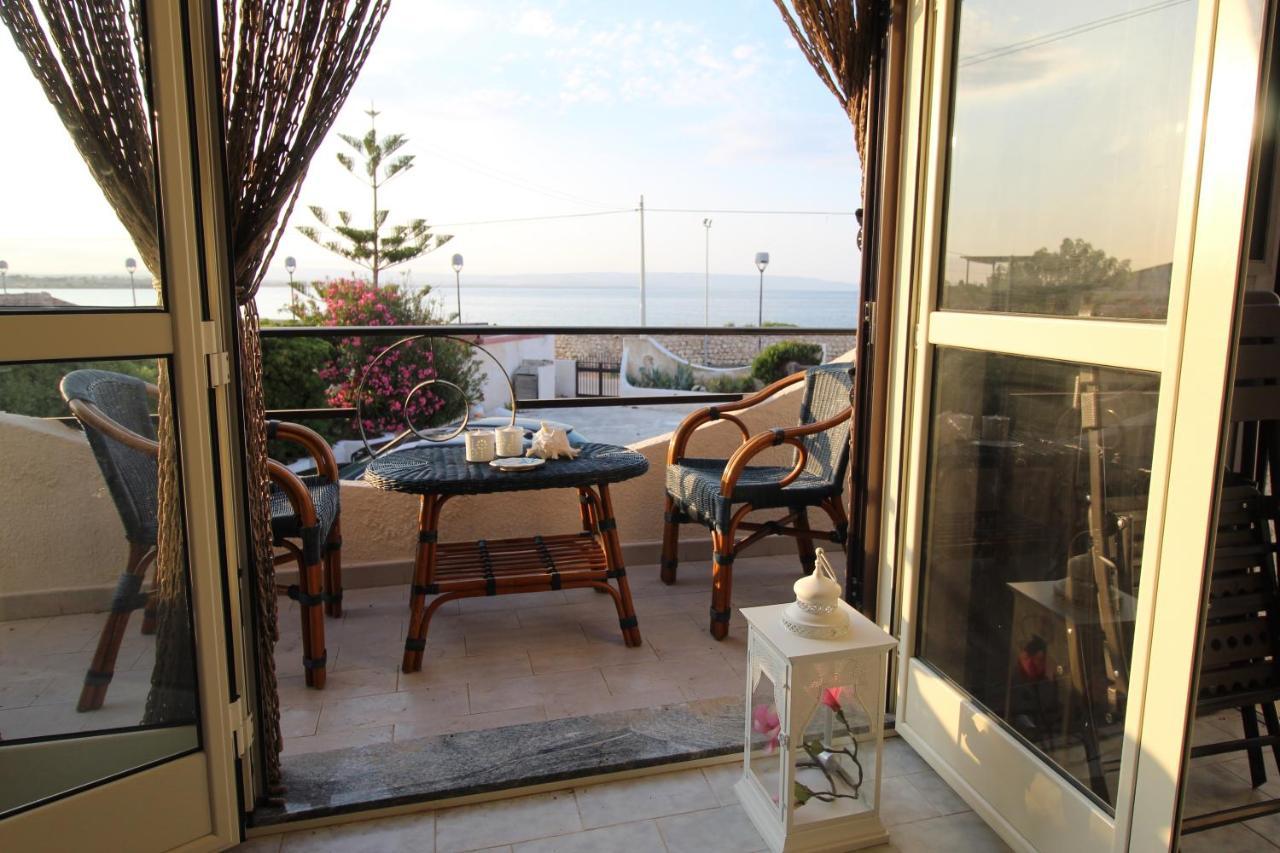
[128,598]
[149,616]
[804,544]
[1273,728]
[721,584]
[333,571]
[310,597]
[670,542]
[1257,770]
[424,567]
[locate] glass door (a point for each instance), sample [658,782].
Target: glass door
[1068,155]
[118,728]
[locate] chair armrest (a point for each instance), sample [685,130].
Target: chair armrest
[311,441]
[758,443]
[684,432]
[296,491]
[90,415]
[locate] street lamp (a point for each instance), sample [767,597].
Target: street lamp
[291,266]
[457,282]
[132,267]
[706,294]
[4,276]
[762,261]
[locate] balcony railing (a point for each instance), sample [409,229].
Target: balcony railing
[472,331]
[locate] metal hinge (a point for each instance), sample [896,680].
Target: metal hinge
[219,368]
[869,323]
[241,727]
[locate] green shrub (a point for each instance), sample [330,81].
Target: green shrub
[771,364]
[32,389]
[656,377]
[732,385]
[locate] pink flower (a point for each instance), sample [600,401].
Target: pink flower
[764,720]
[831,698]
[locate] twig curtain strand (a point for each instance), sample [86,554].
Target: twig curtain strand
[287,68]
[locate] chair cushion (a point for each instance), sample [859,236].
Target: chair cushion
[695,486]
[325,496]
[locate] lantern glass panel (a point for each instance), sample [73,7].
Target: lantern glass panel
[764,759]
[835,757]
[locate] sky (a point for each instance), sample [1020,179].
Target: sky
[525,109]
[1069,122]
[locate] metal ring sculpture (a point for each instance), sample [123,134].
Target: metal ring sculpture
[413,430]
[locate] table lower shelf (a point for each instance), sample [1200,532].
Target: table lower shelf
[510,565]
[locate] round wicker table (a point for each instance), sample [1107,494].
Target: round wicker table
[591,557]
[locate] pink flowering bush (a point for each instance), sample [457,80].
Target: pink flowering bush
[354,302]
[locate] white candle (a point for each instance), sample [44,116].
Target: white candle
[510,441]
[480,445]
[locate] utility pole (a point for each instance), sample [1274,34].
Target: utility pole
[706,295]
[642,293]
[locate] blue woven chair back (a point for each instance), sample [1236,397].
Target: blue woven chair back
[826,393]
[131,474]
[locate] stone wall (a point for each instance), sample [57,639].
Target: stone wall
[721,350]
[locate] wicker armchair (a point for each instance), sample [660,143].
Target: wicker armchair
[720,493]
[115,412]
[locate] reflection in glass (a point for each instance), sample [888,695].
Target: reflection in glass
[66,242]
[1065,156]
[1037,490]
[96,649]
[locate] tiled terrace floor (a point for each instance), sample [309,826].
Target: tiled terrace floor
[518,658]
[493,662]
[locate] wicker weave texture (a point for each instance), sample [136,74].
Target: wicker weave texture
[130,474]
[446,471]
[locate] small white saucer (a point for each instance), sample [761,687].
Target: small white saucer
[516,463]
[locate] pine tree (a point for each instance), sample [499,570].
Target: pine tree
[380,247]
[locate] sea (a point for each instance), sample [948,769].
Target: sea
[608,299]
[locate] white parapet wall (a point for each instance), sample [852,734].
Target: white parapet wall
[646,352]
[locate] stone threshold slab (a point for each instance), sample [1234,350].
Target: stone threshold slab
[323,784]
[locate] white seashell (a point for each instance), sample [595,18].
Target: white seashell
[551,443]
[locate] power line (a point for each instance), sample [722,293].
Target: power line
[1060,35]
[698,210]
[753,212]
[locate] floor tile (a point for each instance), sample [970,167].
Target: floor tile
[724,828]
[901,802]
[643,798]
[588,657]
[265,844]
[722,778]
[467,670]
[642,837]
[338,739]
[1238,838]
[506,822]
[392,708]
[450,724]
[549,637]
[339,684]
[937,793]
[413,833]
[553,688]
[900,759]
[960,832]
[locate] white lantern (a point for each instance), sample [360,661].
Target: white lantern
[815,729]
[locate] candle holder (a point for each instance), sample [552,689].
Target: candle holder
[412,430]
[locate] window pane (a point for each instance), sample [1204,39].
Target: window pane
[63,241]
[97,667]
[1037,483]
[1065,158]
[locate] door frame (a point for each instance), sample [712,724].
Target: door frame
[194,801]
[1193,368]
